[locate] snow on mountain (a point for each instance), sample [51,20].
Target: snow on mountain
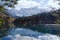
[26,11]
[31,7]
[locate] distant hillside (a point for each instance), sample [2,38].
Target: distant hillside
[52,17]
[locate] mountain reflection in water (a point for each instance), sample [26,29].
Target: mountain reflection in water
[33,30]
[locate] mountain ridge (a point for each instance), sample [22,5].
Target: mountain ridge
[52,17]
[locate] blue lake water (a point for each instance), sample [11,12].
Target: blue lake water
[33,32]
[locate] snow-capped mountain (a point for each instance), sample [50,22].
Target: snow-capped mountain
[26,11]
[31,7]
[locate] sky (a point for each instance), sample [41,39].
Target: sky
[31,7]
[39,3]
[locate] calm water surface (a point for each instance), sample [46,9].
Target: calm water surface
[44,32]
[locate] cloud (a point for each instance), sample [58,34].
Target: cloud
[26,4]
[42,4]
[31,7]
[54,4]
[49,4]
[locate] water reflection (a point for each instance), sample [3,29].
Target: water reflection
[25,32]
[30,30]
[3,30]
[33,32]
[51,29]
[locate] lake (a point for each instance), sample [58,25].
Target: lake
[32,32]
